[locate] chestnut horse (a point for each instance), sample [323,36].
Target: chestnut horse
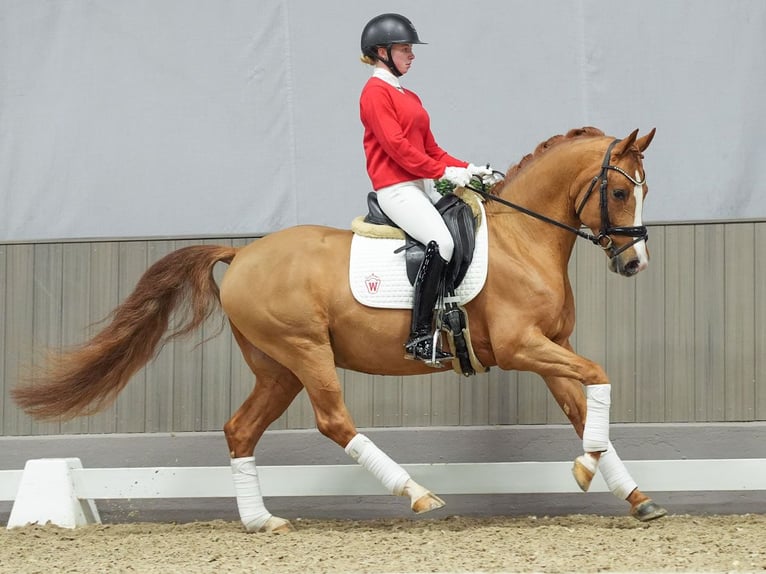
[291,310]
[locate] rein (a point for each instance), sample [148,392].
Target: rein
[603,239]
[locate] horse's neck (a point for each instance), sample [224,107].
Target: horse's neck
[544,189]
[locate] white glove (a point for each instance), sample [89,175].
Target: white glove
[459,176]
[480,170]
[493,178]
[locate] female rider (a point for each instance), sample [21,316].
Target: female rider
[401,156]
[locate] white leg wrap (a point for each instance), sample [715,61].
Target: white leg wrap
[375,461]
[252,512]
[595,437]
[615,474]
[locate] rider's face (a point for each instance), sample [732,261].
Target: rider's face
[402,56]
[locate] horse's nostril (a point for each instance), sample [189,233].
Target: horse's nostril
[632,266]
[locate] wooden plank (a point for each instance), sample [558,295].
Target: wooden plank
[104,289]
[46,323]
[216,366]
[416,401]
[709,318]
[590,302]
[159,372]
[760,321]
[19,330]
[131,404]
[445,399]
[679,323]
[300,414]
[503,396]
[650,335]
[358,396]
[474,399]
[532,399]
[75,306]
[739,326]
[387,401]
[187,375]
[5,385]
[620,363]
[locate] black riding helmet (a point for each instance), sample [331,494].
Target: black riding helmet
[387,30]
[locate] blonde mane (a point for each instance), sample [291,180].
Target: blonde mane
[543,147]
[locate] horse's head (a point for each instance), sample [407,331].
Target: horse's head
[611,204]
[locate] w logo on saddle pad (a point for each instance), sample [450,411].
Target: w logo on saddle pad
[378,273]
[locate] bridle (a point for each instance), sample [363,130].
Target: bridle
[603,239]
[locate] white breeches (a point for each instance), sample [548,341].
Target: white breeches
[411,206]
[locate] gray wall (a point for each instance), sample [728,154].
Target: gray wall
[684,341]
[201,118]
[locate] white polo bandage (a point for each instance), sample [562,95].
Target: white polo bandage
[616,476]
[391,475]
[247,487]
[595,437]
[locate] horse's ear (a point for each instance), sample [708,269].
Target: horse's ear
[643,142]
[625,144]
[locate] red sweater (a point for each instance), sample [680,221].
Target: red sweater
[398,142]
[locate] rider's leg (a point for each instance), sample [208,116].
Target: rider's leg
[409,205]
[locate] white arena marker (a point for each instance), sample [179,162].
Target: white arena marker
[46,495]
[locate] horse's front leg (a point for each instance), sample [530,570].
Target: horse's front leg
[569,396]
[333,420]
[539,354]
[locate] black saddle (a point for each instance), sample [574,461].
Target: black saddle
[458,216]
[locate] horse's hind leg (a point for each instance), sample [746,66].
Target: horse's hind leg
[317,371]
[569,396]
[275,388]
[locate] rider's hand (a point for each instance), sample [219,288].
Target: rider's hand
[485,173]
[459,176]
[493,178]
[480,170]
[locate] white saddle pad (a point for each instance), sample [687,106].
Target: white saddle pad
[378,276]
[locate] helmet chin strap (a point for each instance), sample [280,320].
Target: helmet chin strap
[390,63]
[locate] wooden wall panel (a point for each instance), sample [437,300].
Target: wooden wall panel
[6,380]
[46,315]
[739,325]
[104,288]
[160,372]
[650,335]
[679,324]
[74,309]
[683,341]
[620,342]
[19,331]
[760,321]
[131,404]
[709,349]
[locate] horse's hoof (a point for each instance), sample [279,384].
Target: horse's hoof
[426,503]
[647,510]
[276,525]
[582,474]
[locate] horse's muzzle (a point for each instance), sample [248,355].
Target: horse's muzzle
[626,266]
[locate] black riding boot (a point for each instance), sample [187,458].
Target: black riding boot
[428,284]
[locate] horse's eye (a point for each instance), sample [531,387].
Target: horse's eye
[619,194]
